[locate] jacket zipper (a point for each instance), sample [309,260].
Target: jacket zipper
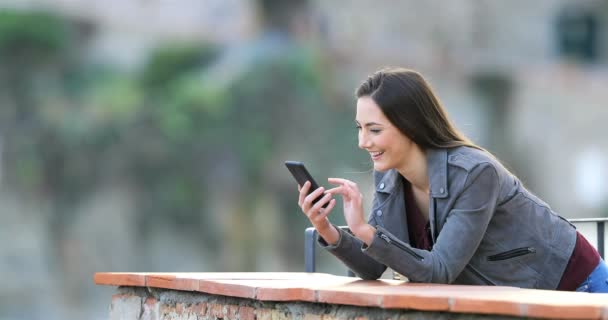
[400,246]
[480,276]
[511,254]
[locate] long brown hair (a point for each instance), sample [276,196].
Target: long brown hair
[409,103]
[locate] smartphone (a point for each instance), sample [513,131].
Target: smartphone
[299,172]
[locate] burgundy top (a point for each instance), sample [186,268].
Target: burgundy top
[418,227]
[583,261]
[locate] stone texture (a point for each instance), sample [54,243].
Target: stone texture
[246,313]
[151,310]
[310,316]
[125,307]
[263,314]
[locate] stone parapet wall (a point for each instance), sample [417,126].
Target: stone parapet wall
[257,296]
[141,304]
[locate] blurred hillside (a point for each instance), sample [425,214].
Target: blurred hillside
[150,135]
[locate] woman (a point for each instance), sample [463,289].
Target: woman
[445,210]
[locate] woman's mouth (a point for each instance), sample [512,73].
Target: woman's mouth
[376,155]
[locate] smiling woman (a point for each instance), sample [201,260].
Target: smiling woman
[445,210]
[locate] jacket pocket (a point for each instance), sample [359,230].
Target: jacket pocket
[512,254]
[397,243]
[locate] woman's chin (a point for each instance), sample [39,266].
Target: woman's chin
[378,166]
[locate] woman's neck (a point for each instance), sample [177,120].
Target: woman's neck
[414,169]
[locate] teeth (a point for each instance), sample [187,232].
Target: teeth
[374,154]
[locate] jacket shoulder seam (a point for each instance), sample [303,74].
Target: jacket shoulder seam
[466,162]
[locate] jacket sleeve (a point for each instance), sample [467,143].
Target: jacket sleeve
[348,250]
[458,240]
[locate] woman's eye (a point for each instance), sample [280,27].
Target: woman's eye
[375,130]
[358,127]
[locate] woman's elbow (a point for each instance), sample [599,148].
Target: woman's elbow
[369,275]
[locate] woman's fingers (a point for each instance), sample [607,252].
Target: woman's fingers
[353,190]
[324,212]
[347,184]
[345,190]
[336,190]
[316,209]
[303,192]
[307,201]
[341,181]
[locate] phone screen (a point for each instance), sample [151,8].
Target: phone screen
[301,174]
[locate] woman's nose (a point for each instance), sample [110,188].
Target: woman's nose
[363,142]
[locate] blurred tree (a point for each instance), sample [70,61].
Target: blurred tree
[167,162]
[38,156]
[200,133]
[29,42]
[173,60]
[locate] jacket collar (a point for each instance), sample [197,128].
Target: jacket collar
[437,166]
[437,163]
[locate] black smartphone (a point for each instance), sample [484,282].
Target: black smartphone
[299,172]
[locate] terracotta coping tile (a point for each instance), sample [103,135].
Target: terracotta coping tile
[359,292]
[257,275]
[563,312]
[350,297]
[488,306]
[324,288]
[234,288]
[415,296]
[173,281]
[532,303]
[283,290]
[120,279]
[285,294]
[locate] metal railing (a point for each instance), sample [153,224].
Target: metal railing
[600,230]
[310,239]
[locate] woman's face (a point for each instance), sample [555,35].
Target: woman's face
[387,146]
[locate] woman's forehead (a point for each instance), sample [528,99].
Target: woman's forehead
[369,111]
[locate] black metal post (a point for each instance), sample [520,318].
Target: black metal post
[600,238]
[310,236]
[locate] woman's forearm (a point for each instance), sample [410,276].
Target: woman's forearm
[365,232]
[329,234]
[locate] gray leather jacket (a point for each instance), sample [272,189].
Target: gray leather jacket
[487,229]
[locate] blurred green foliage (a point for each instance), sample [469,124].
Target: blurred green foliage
[31,33]
[172,130]
[168,63]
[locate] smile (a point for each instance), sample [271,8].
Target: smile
[376,155]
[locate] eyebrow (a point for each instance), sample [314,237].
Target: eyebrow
[369,124]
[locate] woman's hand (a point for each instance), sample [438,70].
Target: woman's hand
[316,214]
[353,208]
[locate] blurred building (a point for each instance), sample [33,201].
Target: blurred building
[526,80]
